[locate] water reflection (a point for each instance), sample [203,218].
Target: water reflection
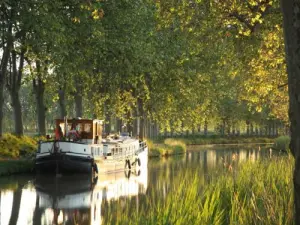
[207,163]
[68,199]
[44,200]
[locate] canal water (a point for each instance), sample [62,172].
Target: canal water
[45,200]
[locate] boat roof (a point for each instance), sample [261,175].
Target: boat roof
[82,120]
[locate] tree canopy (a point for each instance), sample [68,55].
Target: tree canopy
[178,64]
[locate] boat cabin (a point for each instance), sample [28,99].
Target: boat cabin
[85,130]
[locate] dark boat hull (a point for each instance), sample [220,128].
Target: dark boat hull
[63,163]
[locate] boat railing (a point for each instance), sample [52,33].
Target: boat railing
[121,153]
[142,147]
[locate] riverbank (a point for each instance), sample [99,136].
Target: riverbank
[16,166]
[175,146]
[216,139]
[258,192]
[14,148]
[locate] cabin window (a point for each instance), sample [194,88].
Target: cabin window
[79,127]
[87,127]
[62,126]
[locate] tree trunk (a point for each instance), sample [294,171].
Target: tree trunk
[205,127]
[41,110]
[78,105]
[269,129]
[129,124]
[291,20]
[13,85]
[228,129]
[16,104]
[251,129]
[107,126]
[62,101]
[256,130]
[119,125]
[260,130]
[223,127]
[3,70]
[248,129]
[1,102]
[39,90]
[141,117]
[78,100]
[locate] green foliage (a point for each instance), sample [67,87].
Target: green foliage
[254,193]
[188,61]
[282,143]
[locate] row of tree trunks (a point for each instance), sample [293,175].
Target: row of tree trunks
[150,129]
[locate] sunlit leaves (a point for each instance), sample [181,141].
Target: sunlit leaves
[244,16]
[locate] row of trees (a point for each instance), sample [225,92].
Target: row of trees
[174,64]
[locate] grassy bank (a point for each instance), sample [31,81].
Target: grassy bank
[167,148]
[253,193]
[9,167]
[216,139]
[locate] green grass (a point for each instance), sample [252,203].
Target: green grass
[252,193]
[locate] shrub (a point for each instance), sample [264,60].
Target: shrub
[169,147]
[12,146]
[282,143]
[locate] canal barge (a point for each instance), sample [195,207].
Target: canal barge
[79,147]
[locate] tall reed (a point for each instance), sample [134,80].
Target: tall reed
[250,193]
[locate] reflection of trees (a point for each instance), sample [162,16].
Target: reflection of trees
[37,212]
[15,207]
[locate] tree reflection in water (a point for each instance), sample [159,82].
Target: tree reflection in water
[74,199]
[78,199]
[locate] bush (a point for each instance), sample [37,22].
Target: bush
[169,147]
[282,143]
[12,146]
